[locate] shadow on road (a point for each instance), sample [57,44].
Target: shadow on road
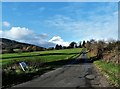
[79,60]
[84,60]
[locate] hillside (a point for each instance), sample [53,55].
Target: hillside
[9,46]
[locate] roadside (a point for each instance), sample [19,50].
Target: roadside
[110,71]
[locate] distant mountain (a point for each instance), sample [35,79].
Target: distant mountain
[7,45]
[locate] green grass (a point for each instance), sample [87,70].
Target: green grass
[42,56]
[112,71]
[11,55]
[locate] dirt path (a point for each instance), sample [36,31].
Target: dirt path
[80,73]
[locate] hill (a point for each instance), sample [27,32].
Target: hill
[9,46]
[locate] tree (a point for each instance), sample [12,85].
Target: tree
[10,50]
[76,45]
[92,41]
[60,47]
[88,45]
[72,44]
[83,45]
[50,48]
[64,47]
[57,47]
[80,45]
[101,44]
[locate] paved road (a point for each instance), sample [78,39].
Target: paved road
[73,75]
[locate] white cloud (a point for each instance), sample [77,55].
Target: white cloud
[6,24]
[1,33]
[16,33]
[59,40]
[26,35]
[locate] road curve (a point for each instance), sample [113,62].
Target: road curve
[72,75]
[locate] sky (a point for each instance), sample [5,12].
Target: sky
[49,23]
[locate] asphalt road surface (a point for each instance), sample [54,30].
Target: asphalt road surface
[76,74]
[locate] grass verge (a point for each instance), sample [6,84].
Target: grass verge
[110,70]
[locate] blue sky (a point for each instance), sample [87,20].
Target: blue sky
[50,23]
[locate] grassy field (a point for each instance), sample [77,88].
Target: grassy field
[11,55]
[43,56]
[110,70]
[38,63]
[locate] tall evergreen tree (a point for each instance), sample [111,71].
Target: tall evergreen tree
[83,45]
[80,45]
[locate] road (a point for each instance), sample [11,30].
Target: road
[76,74]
